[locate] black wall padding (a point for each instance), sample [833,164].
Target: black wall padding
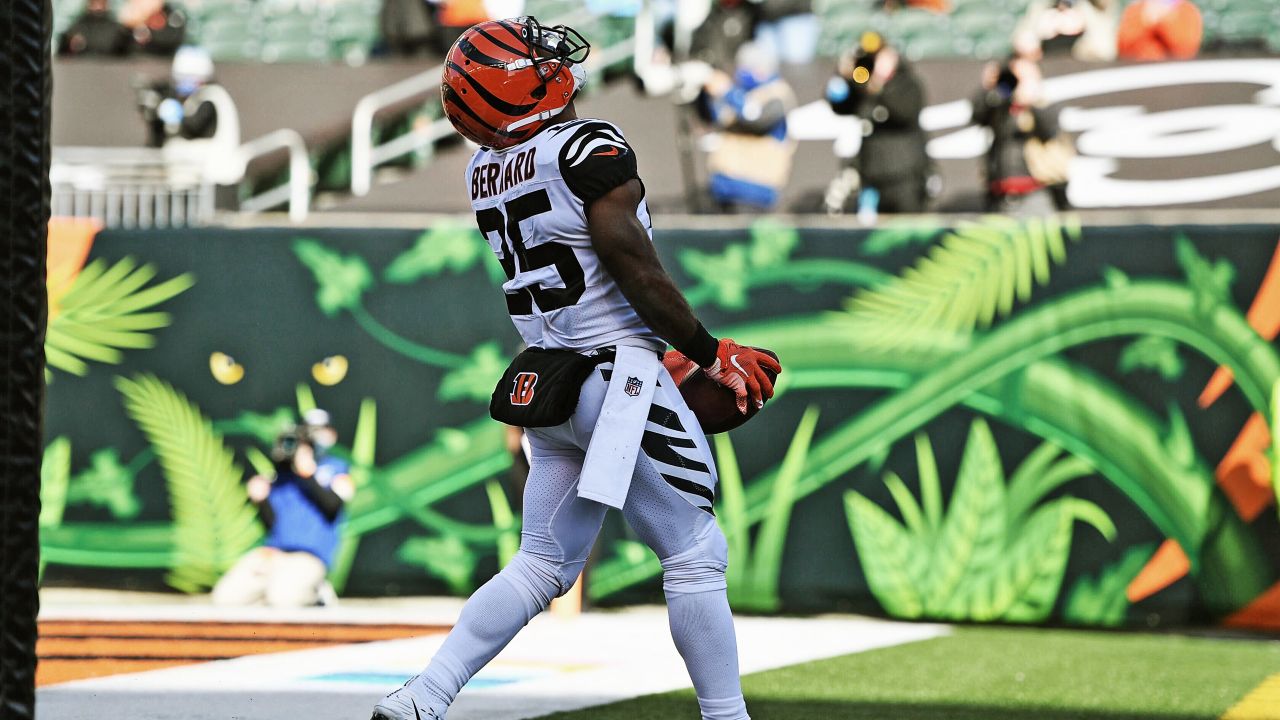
[25,91]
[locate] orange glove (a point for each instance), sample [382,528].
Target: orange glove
[741,369]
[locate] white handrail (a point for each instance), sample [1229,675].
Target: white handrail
[297,190]
[362,162]
[129,187]
[365,157]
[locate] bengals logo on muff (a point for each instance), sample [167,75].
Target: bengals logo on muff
[522,388]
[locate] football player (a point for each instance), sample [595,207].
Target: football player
[559,200]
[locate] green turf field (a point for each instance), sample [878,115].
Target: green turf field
[999,674]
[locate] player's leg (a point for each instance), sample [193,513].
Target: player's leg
[669,506]
[557,534]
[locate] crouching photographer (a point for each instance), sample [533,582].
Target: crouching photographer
[301,506]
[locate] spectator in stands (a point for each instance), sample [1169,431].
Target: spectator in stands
[408,27]
[789,29]
[728,25]
[96,33]
[1071,27]
[750,159]
[875,84]
[1028,156]
[159,28]
[455,16]
[173,108]
[194,118]
[1160,30]
[301,507]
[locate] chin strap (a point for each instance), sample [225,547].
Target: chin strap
[536,117]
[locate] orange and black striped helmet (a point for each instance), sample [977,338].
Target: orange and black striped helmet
[505,79]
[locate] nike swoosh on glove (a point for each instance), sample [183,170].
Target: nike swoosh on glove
[741,369]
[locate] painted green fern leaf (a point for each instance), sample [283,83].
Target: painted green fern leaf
[447,558]
[55,474]
[213,522]
[102,314]
[998,553]
[972,276]
[1103,599]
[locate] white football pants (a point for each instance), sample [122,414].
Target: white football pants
[668,506]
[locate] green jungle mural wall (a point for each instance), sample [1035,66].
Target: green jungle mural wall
[993,421]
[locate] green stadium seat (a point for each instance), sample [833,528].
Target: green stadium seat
[929,45]
[918,22]
[233,50]
[979,22]
[550,10]
[992,45]
[351,31]
[1244,24]
[305,49]
[294,27]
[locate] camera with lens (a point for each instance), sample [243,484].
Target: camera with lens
[286,445]
[858,64]
[1001,88]
[1006,83]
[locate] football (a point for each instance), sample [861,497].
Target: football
[714,405]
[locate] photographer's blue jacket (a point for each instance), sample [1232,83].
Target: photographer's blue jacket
[301,526]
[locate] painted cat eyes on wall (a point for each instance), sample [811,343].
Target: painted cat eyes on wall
[329,371]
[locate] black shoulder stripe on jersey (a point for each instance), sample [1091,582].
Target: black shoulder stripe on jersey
[494,101]
[591,139]
[586,126]
[567,126]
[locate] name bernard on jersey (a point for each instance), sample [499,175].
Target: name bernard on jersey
[490,179]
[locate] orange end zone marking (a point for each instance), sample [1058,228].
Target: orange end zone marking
[76,650]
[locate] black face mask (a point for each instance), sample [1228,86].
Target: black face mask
[546,44]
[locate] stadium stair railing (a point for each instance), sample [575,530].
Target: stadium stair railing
[128,187]
[142,187]
[296,191]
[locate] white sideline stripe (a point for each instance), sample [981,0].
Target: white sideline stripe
[562,664]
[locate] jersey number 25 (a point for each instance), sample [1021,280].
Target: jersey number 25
[516,258]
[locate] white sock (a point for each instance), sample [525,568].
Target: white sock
[702,628]
[490,619]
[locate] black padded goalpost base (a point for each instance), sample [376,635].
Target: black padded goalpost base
[24,218]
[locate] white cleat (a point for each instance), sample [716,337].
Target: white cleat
[402,704]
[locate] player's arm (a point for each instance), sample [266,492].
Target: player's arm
[622,243]
[324,498]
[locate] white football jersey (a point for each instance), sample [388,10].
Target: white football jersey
[530,202]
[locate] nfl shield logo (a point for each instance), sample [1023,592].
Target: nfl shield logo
[633,386]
